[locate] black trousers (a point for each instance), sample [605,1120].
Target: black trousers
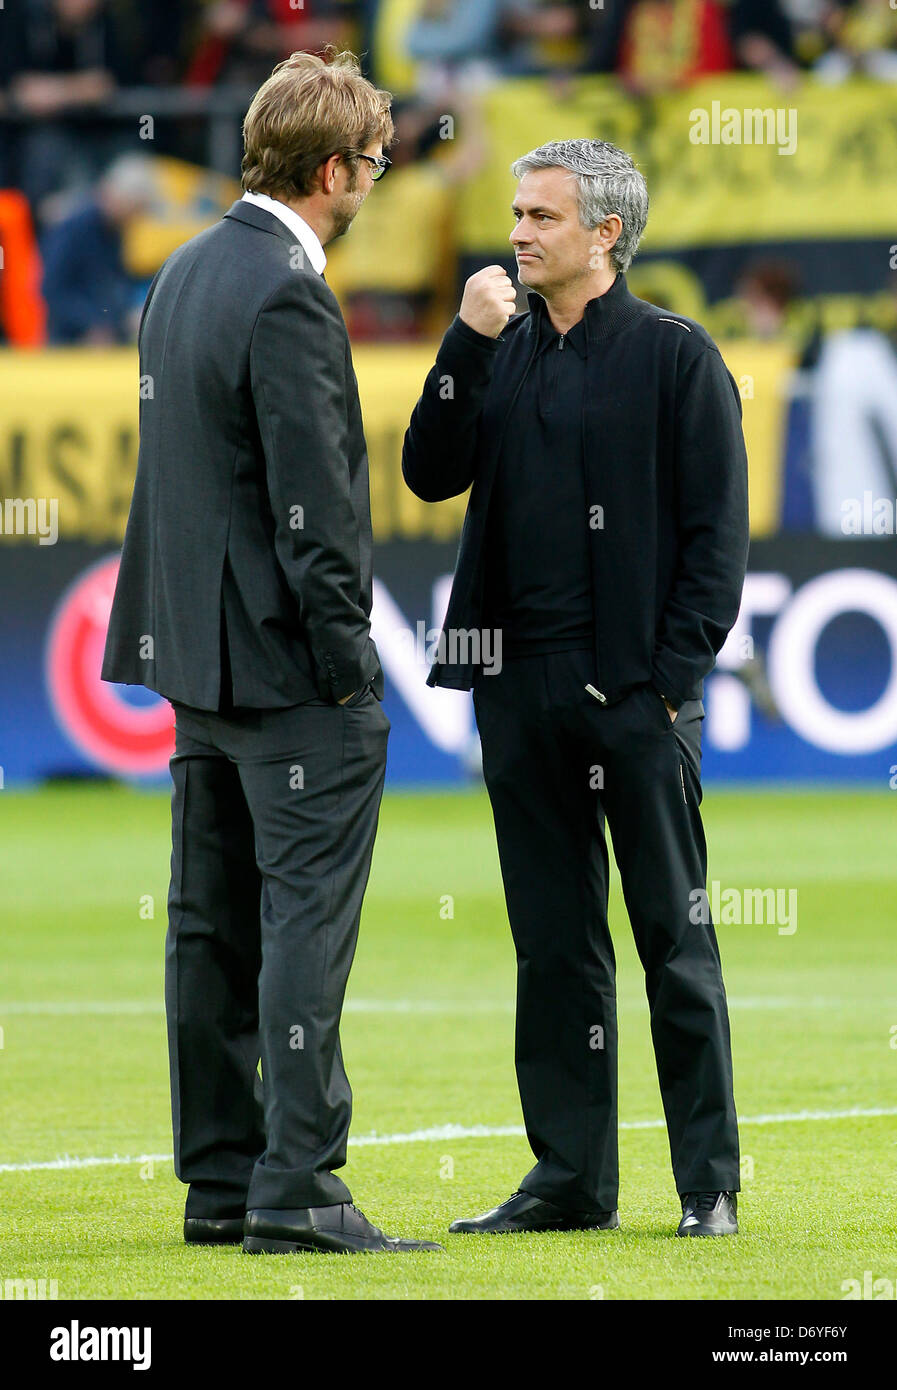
[274,814]
[558,764]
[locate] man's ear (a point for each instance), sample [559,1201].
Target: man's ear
[612,226]
[328,173]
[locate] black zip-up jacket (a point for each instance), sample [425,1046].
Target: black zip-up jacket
[666,485]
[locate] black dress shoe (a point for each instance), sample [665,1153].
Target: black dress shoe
[213,1230]
[524,1212]
[343,1229]
[708,1214]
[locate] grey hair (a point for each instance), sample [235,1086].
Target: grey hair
[132,176]
[607,181]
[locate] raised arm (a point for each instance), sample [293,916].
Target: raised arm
[439,453]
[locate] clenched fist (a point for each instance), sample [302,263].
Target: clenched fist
[489,301]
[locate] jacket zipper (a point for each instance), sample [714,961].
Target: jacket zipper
[600,674]
[475,577]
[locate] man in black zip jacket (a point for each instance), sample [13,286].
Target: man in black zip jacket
[602,555]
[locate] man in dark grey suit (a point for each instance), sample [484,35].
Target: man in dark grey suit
[244,597]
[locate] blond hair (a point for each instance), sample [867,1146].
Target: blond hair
[308,109]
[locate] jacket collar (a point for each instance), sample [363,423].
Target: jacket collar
[304,233]
[604,315]
[255,216]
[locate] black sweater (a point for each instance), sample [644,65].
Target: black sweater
[666,475]
[538,580]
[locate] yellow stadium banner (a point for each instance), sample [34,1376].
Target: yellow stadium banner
[729,159]
[68,430]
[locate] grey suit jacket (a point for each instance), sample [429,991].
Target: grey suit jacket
[247,556]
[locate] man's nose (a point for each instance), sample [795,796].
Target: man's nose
[519,235]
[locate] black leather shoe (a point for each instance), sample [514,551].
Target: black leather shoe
[708,1214]
[207,1230]
[343,1229]
[524,1212]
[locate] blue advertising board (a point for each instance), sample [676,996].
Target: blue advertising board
[805,688]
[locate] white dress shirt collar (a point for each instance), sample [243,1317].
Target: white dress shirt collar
[304,234]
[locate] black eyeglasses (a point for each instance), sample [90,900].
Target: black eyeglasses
[378,166]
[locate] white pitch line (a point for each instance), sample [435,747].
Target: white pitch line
[442,1133]
[65,1007]
[67,1162]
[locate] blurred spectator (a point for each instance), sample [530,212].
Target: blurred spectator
[763,40]
[462,44]
[241,40]
[864,40]
[766,289]
[809,22]
[159,35]
[542,35]
[456,36]
[854,427]
[90,296]
[656,45]
[61,59]
[833,37]
[840,433]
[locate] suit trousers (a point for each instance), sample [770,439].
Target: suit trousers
[559,765]
[274,814]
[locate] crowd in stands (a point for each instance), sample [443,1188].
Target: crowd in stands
[72,178]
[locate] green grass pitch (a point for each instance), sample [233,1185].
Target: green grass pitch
[428,1039]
